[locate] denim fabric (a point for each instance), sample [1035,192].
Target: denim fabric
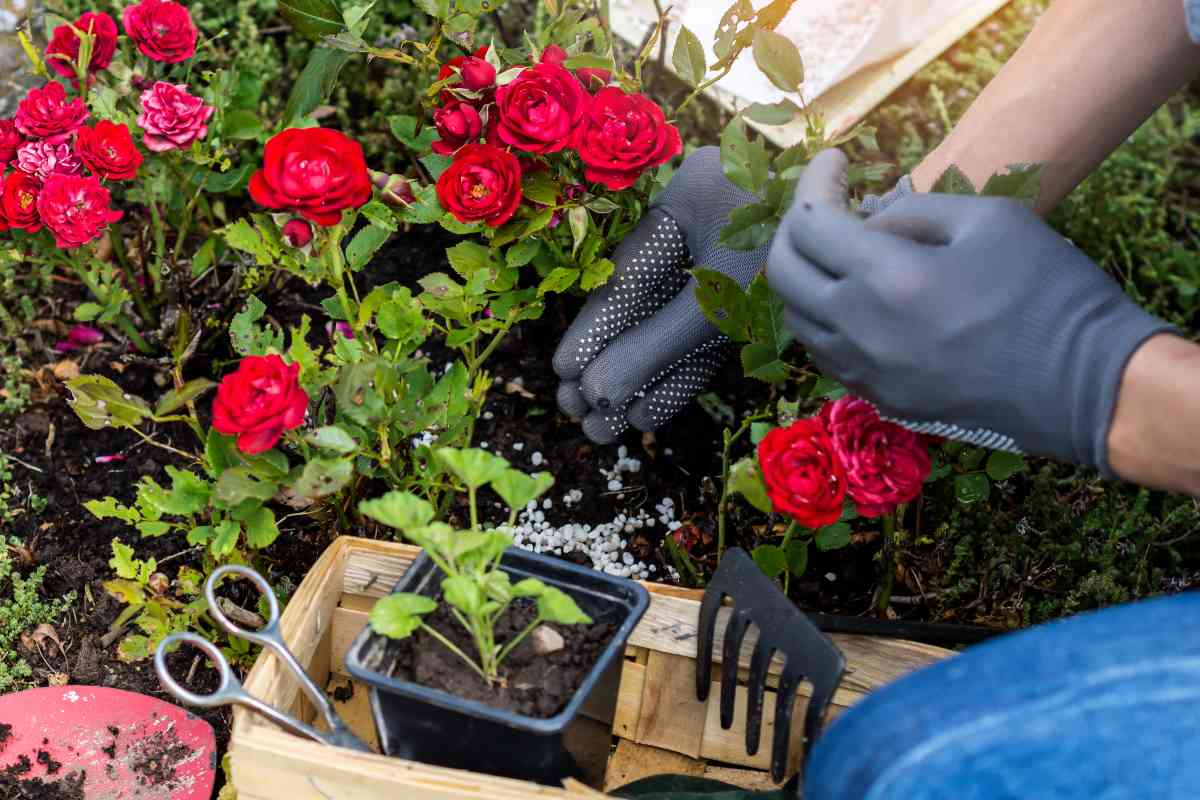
[1192,8]
[1103,706]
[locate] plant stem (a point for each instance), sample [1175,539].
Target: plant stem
[889,567]
[516,640]
[787,538]
[700,89]
[453,648]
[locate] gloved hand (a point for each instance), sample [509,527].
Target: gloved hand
[963,317]
[641,348]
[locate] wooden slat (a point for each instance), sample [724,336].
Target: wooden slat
[355,712]
[751,779]
[346,626]
[671,716]
[729,746]
[629,700]
[632,761]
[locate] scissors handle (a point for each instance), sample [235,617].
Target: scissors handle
[229,690]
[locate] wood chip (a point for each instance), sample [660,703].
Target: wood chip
[58,679]
[546,640]
[512,387]
[66,370]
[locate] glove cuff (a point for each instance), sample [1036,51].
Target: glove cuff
[1120,339]
[872,204]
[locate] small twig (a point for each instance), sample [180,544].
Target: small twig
[239,614]
[180,553]
[192,669]
[107,639]
[23,464]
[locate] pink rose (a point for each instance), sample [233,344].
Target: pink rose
[75,209]
[172,118]
[886,465]
[46,113]
[162,30]
[43,159]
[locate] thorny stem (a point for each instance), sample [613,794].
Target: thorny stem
[700,89]
[160,445]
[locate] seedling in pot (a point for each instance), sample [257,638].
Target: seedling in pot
[476,589]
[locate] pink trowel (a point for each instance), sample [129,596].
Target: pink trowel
[115,745]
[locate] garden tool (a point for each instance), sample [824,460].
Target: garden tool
[782,628]
[112,744]
[230,690]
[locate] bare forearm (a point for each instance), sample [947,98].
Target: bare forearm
[1089,74]
[1155,435]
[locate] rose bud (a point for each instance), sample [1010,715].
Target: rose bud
[593,77]
[554,55]
[297,233]
[477,74]
[394,189]
[457,124]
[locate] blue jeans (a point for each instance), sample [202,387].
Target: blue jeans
[1102,706]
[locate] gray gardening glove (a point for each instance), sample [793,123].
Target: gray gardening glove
[965,317]
[641,348]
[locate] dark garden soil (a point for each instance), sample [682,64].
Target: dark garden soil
[59,461]
[532,685]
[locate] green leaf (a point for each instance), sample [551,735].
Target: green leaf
[1001,465]
[86,312]
[123,561]
[953,181]
[313,19]
[237,484]
[750,227]
[538,222]
[379,215]
[589,61]
[745,478]
[1022,183]
[398,615]
[134,648]
[760,361]
[559,280]
[331,437]
[434,8]
[404,128]
[220,452]
[530,587]
[688,58]
[100,403]
[464,594]
[828,388]
[596,274]
[579,220]
[770,560]
[324,476]
[767,323]
[778,58]
[200,535]
[436,165]
[518,489]
[428,208]
[400,510]
[780,113]
[189,493]
[261,529]
[247,336]
[241,124]
[472,466]
[833,537]
[315,84]
[365,245]
[109,508]
[540,187]
[554,605]
[972,489]
[796,553]
[467,258]
[724,303]
[177,398]
[745,161]
[225,539]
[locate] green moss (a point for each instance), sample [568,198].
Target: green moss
[21,609]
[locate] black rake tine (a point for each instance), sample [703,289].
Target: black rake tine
[785,699]
[704,639]
[817,703]
[756,688]
[735,631]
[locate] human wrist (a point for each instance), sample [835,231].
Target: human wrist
[1148,441]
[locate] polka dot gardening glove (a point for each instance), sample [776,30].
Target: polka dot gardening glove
[641,349]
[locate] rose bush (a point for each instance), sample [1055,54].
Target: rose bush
[315,172]
[260,401]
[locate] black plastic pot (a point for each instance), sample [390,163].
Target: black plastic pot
[435,727]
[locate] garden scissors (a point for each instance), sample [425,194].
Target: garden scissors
[230,690]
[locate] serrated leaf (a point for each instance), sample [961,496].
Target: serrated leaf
[220,452]
[400,510]
[177,398]
[323,476]
[522,252]
[237,484]
[261,529]
[745,478]
[100,403]
[398,615]
[596,274]
[313,19]
[766,309]
[724,303]
[953,181]
[331,437]
[770,559]
[779,59]
[241,124]
[247,336]
[796,553]
[972,489]
[365,245]
[540,187]
[750,227]
[404,128]
[558,281]
[189,493]
[1023,183]
[225,538]
[315,84]
[833,537]
[467,258]
[1002,465]
[518,490]
[745,160]
[472,466]
[134,648]
[780,113]
[109,508]
[688,58]
[538,221]
[555,605]
[123,561]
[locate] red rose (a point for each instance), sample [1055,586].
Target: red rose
[75,209]
[541,109]
[625,135]
[259,402]
[457,123]
[19,202]
[63,51]
[297,232]
[315,172]
[478,74]
[46,113]
[803,474]
[886,465]
[10,140]
[483,184]
[162,30]
[554,55]
[594,76]
[171,117]
[108,151]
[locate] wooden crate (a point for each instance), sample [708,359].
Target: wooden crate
[658,726]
